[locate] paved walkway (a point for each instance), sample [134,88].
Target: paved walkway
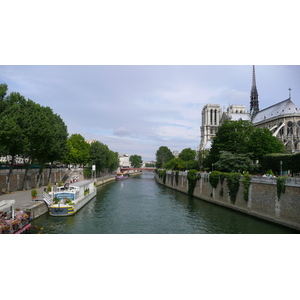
[23,198]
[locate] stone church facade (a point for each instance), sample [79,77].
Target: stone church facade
[282,119]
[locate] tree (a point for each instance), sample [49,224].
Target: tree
[202,156]
[29,130]
[187,154]
[262,142]
[240,137]
[136,160]
[233,137]
[3,90]
[79,150]
[163,155]
[175,164]
[229,162]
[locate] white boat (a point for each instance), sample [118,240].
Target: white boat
[67,200]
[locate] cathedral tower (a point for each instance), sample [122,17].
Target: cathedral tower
[254,107]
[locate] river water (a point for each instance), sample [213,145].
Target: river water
[140,205]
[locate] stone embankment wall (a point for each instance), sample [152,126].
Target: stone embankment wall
[17,178]
[263,201]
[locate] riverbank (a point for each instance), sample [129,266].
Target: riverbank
[23,199]
[262,202]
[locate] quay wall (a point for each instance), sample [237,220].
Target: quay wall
[263,201]
[16,179]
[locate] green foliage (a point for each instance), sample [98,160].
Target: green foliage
[34,193]
[187,154]
[246,180]
[136,160]
[233,184]
[229,162]
[163,155]
[49,187]
[280,184]
[240,137]
[69,201]
[289,162]
[262,142]
[162,174]
[30,130]
[202,157]
[56,200]
[102,158]
[214,178]
[79,150]
[174,164]
[192,178]
[3,90]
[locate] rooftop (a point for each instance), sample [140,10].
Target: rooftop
[280,109]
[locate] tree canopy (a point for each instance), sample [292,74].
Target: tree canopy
[241,137]
[30,130]
[79,150]
[163,155]
[229,162]
[136,160]
[187,154]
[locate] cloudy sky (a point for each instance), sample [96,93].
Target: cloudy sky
[136,109]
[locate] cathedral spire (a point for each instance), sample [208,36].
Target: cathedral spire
[254,107]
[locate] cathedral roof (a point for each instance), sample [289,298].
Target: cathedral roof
[282,108]
[240,116]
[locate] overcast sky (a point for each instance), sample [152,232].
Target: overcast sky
[137,109]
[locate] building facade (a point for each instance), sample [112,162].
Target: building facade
[282,119]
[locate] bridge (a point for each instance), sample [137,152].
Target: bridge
[134,170]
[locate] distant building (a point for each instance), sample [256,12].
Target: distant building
[282,119]
[91,141]
[211,116]
[124,161]
[176,154]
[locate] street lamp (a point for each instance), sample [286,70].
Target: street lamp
[281,168]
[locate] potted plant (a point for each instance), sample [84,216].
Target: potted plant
[56,200]
[34,193]
[49,187]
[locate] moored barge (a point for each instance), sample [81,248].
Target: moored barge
[67,200]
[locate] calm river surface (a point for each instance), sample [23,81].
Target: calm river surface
[140,205]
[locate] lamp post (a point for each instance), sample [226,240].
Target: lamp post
[281,168]
[212,166]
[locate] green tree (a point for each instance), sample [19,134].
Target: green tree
[30,130]
[104,159]
[163,155]
[113,161]
[240,137]
[175,164]
[262,142]
[187,154]
[202,157]
[136,160]
[3,90]
[229,162]
[79,150]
